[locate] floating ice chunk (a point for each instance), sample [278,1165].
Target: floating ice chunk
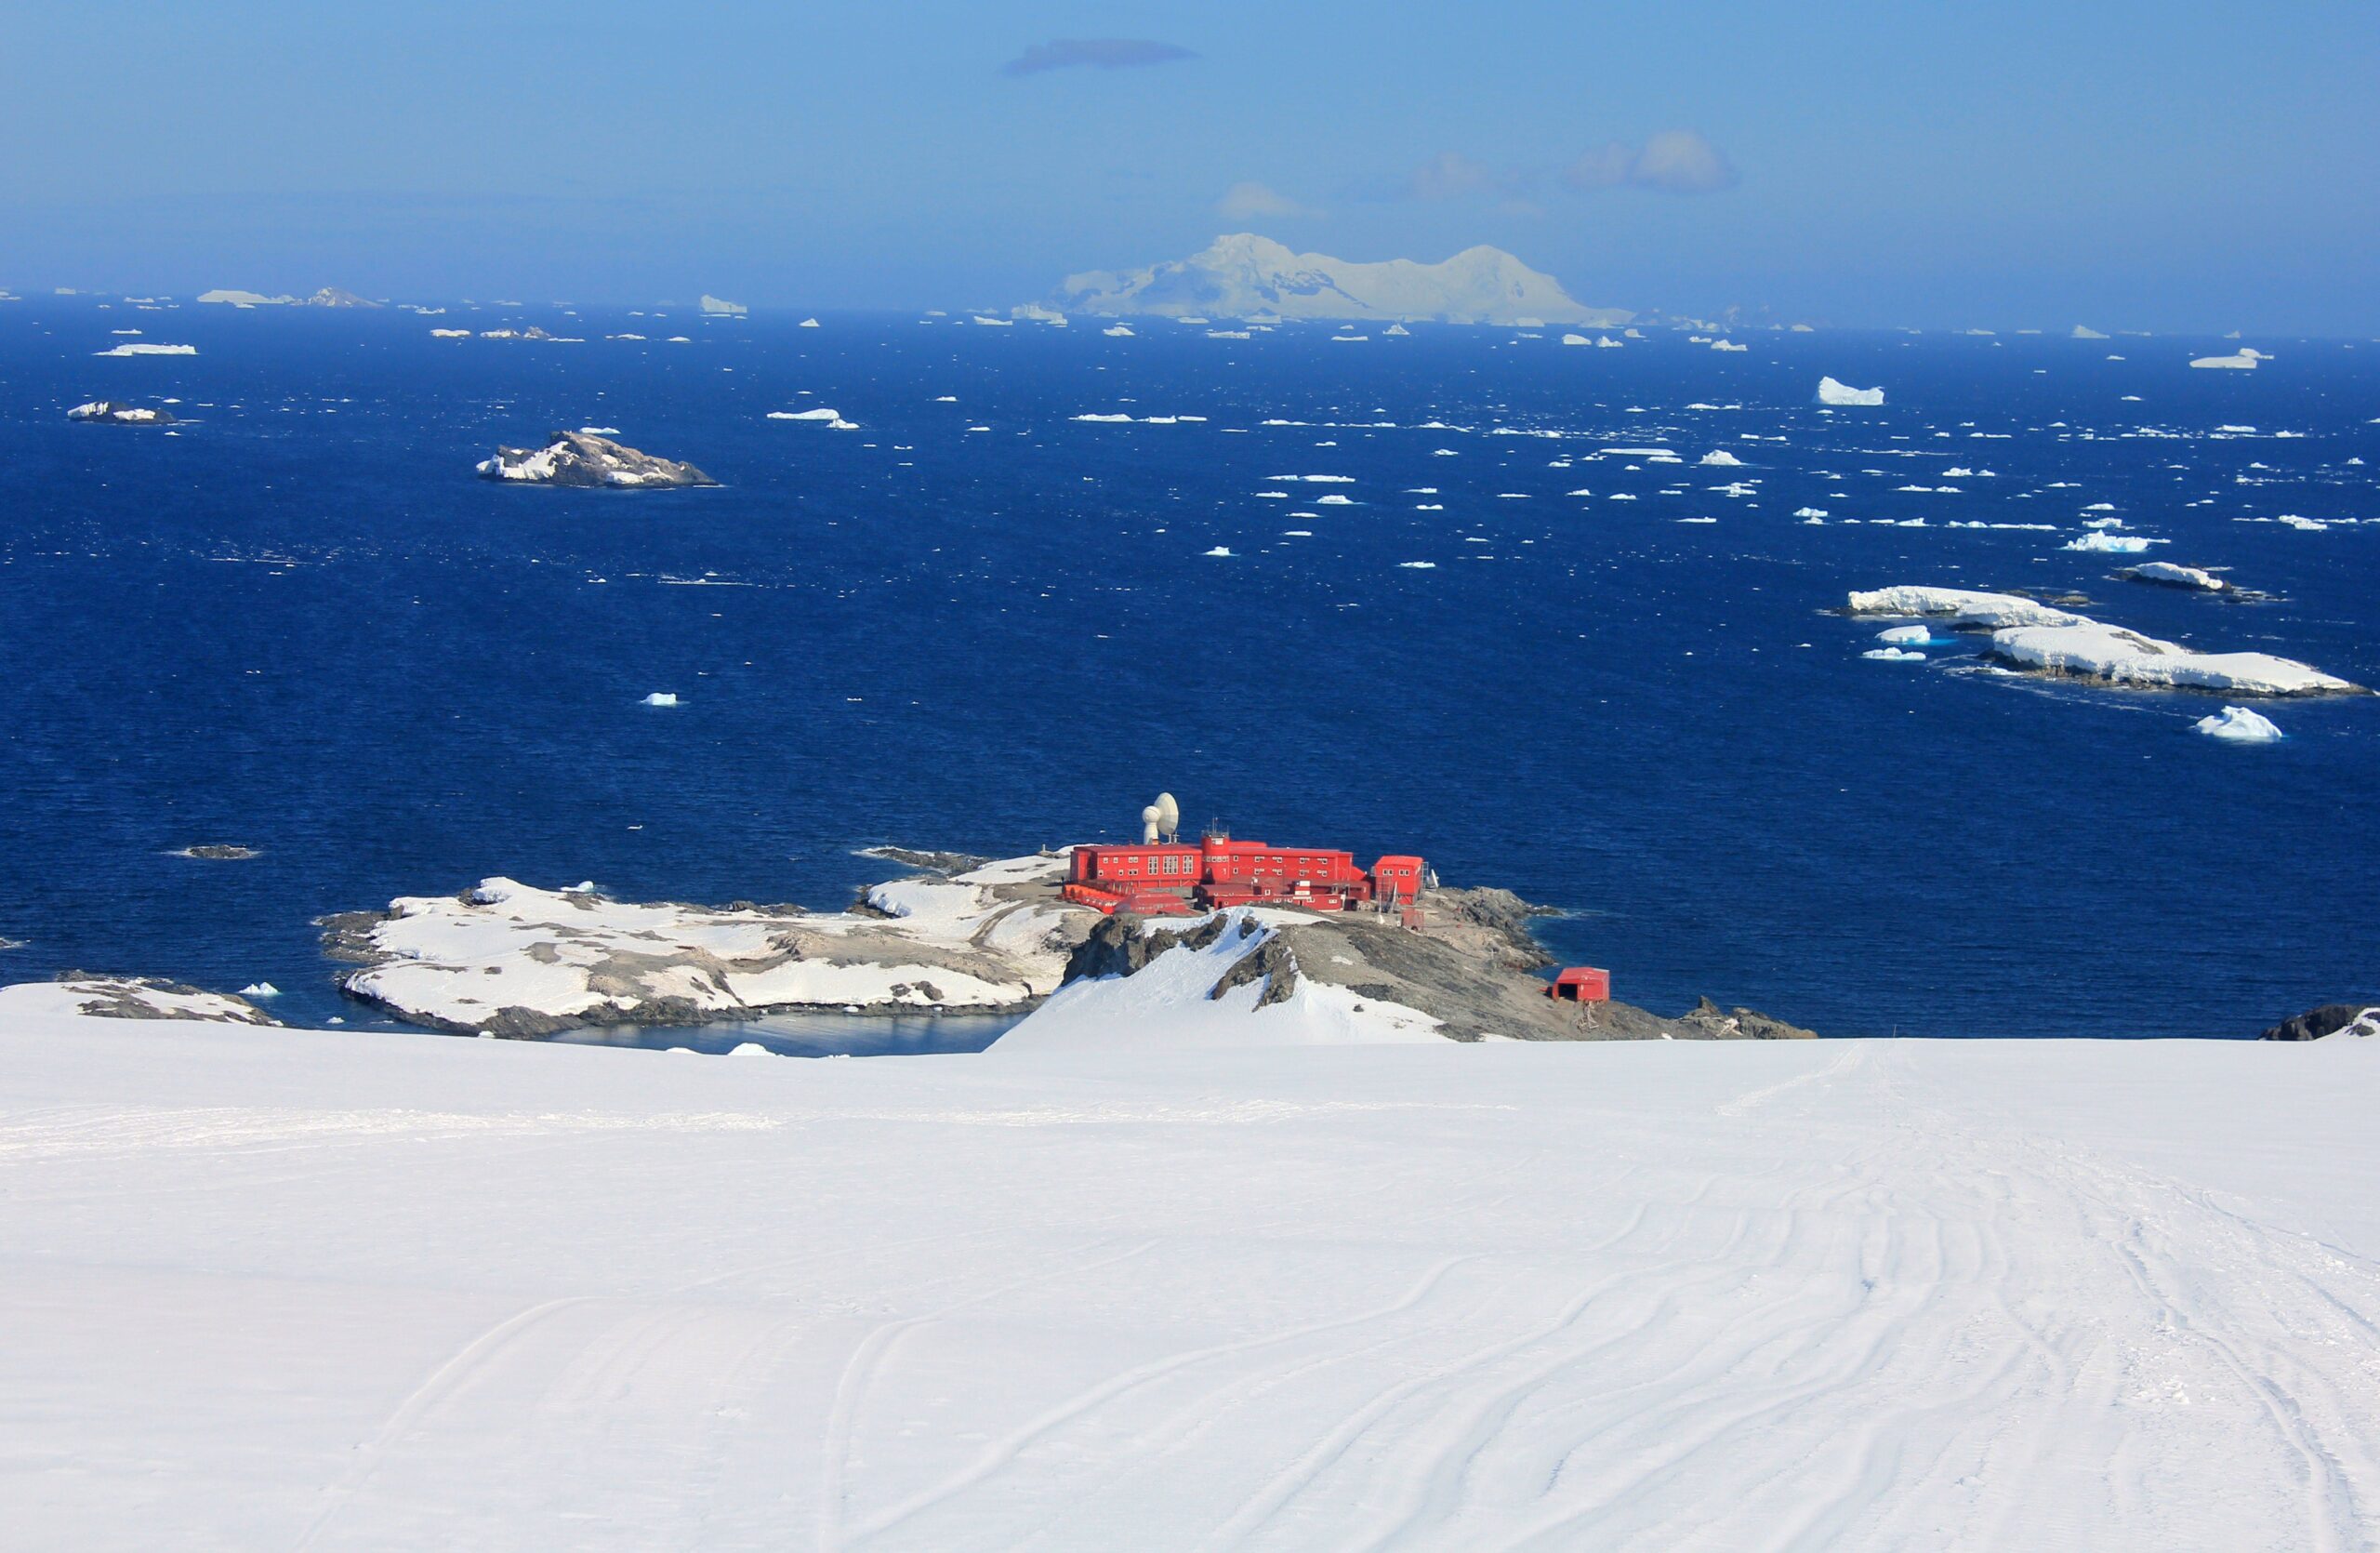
[2084,332]
[1334,499]
[2105,543]
[1576,339]
[599,430]
[1728,345]
[462,334]
[1110,419]
[1813,514]
[1833,392]
[1399,330]
[1905,636]
[1219,550]
[661,698]
[1719,458]
[807,323]
[1417,566]
[1117,331]
[1961,605]
[1893,655]
[267,989]
[2239,725]
[822,413]
[143,347]
[2244,358]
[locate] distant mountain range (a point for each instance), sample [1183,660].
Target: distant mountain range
[1243,274]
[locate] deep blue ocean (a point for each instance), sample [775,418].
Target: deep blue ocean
[301,625]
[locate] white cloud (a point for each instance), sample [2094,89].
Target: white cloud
[1675,161]
[1244,201]
[1450,175]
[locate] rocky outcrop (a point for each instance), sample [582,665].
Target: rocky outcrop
[1473,966]
[582,460]
[2328,1020]
[105,997]
[109,412]
[219,852]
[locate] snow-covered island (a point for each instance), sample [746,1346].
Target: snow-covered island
[110,412]
[586,461]
[2028,634]
[99,997]
[968,937]
[1243,274]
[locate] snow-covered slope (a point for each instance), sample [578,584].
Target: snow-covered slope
[1244,273]
[289,1289]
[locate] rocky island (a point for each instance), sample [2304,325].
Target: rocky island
[585,461]
[107,412]
[963,935]
[129,998]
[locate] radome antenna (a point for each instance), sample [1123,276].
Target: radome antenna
[1168,817]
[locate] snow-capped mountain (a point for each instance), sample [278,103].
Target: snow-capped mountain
[1244,273]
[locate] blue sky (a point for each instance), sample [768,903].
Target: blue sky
[2183,166]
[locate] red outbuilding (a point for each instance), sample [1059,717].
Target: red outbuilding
[1580,984]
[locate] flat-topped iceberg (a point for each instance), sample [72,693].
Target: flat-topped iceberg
[143,347]
[1832,392]
[1960,607]
[579,460]
[2103,542]
[2244,359]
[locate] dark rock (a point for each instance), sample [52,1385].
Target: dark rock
[1122,944]
[2329,1020]
[944,863]
[215,851]
[1272,961]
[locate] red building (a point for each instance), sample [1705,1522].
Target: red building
[1582,984]
[1172,879]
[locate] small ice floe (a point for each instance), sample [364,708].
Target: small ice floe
[143,347]
[1219,550]
[2244,358]
[599,430]
[1417,565]
[2085,332]
[994,323]
[1396,330]
[661,699]
[1110,419]
[807,323]
[1719,458]
[1904,636]
[466,334]
[1576,339]
[1893,655]
[1334,499]
[1832,392]
[2103,542]
[2239,725]
[1728,345]
[216,852]
[259,989]
[1811,515]
[1117,331]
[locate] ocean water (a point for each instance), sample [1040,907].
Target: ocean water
[302,626]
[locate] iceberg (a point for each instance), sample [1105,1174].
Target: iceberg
[2239,725]
[2080,332]
[1117,331]
[2101,540]
[1893,655]
[1833,392]
[661,699]
[1719,458]
[1244,274]
[142,348]
[2244,359]
[1904,636]
[719,306]
[107,412]
[1960,607]
[2092,650]
[1576,339]
[229,298]
[807,323]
